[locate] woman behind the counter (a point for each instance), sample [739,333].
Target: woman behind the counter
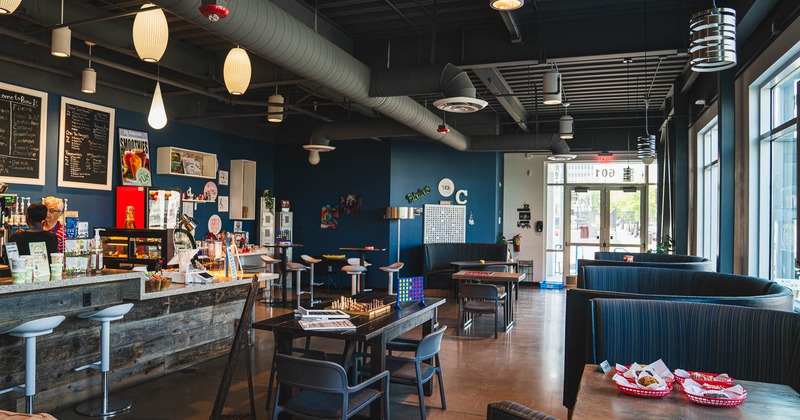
[35,216]
[55,208]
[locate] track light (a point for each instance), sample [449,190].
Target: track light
[236,71]
[7,7]
[150,33]
[158,114]
[551,82]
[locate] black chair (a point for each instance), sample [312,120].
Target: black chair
[480,299]
[418,370]
[304,352]
[323,391]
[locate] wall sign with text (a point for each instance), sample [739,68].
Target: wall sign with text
[23,124]
[85,149]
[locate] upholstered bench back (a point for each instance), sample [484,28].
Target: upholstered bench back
[439,256]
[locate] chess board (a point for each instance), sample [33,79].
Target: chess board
[370,309]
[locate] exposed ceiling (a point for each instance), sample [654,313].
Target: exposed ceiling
[611,54]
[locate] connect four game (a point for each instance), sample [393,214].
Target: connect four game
[409,289]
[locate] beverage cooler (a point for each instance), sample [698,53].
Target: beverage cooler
[147,207]
[125,248]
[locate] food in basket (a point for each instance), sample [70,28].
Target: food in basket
[703,377]
[647,380]
[715,395]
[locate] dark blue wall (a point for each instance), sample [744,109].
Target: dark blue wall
[97,207]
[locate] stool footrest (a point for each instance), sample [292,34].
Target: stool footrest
[95,366]
[94,408]
[18,388]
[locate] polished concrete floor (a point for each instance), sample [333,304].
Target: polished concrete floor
[523,365]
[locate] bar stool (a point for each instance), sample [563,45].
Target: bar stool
[29,331]
[394,268]
[105,406]
[357,261]
[269,263]
[296,268]
[311,261]
[355,271]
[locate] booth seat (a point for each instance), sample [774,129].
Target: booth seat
[629,282]
[750,344]
[644,259]
[439,256]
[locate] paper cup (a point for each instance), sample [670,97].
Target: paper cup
[20,276]
[57,258]
[56,270]
[17,264]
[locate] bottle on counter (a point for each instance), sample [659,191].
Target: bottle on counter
[96,255]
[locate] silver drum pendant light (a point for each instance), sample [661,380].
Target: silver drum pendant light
[551,82]
[713,39]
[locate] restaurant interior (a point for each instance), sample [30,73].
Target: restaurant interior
[514,210]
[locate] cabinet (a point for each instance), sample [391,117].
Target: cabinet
[185,162]
[124,248]
[242,204]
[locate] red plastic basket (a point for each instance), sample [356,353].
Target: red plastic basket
[632,380]
[644,392]
[715,402]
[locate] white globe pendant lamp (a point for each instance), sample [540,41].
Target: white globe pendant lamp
[150,33]
[236,71]
[158,114]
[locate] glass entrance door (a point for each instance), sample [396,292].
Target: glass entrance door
[603,219]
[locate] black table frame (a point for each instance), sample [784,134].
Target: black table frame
[376,332]
[508,312]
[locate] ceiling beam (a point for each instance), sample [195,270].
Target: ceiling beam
[494,81]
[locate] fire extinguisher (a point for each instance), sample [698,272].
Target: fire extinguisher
[517,243]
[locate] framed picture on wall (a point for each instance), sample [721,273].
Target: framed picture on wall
[223,177]
[85,149]
[22,135]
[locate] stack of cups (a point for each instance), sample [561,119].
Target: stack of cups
[21,270]
[56,265]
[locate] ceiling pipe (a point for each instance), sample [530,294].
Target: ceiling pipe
[402,81]
[520,143]
[350,130]
[273,34]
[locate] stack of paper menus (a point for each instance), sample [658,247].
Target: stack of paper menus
[320,314]
[327,324]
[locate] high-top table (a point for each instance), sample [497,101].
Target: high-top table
[599,398]
[375,331]
[281,248]
[495,277]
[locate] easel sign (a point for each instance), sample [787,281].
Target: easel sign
[231,269]
[410,289]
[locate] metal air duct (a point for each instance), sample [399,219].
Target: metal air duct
[459,92]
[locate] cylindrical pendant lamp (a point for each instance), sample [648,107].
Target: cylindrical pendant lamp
[275,113]
[61,43]
[506,5]
[150,34]
[646,148]
[89,80]
[7,7]
[158,114]
[551,82]
[565,127]
[713,39]
[236,71]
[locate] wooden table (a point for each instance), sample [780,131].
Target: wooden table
[481,265]
[599,398]
[495,277]
[376,332]
[281,248]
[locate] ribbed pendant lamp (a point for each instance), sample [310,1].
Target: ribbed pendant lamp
[236,71]
[150,34]
[158,114]
[7,7]
[713,39]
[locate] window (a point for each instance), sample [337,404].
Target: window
[708,191]
[778,169]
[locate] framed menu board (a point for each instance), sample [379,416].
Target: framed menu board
[23,123]
[85,145]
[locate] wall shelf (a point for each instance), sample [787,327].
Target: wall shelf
[185,162]
[196,202]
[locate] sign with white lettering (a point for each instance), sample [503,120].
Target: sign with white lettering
[85,145]
[23,124]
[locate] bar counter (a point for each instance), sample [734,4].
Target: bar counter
[166,331]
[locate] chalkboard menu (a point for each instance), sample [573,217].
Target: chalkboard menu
[85,152]
[23,123]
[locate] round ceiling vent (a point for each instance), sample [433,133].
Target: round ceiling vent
[460,104]
[561,157]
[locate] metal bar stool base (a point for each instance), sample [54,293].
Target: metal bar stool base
[94,408]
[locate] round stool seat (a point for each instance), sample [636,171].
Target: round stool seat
[112,313]
[393,268]
[354,270]
[293,266]
[310,260]
[269,260]
[357,261]
[34,328]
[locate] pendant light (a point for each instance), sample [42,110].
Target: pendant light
[565,124]
[62,38]
[7,7]
[150,33]
[646,145]
[236,71]
[275,112]
[158,114]
[551,90]
[506,5]
[713,39]
[627,172]
[89,77]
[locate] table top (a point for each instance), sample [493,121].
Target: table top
[598,397]
[362,249]
[479,264]
[366,327]
[489,276]
[284,245]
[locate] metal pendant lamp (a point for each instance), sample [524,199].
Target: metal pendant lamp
[551,91]
[7,7]
[275,112]
[713,39]
[236,71]
[89,77]
[60,45]
[158,113]
[150,34]
[506,5]
[566,128]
